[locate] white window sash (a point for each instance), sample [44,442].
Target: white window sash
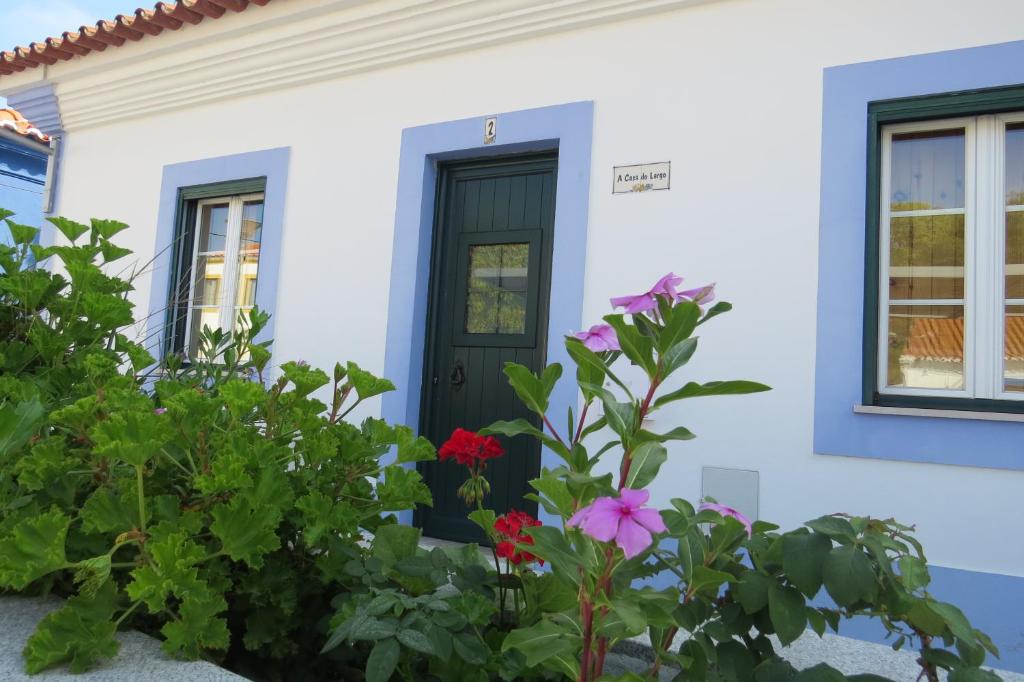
[969,304]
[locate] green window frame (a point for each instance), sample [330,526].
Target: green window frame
[973,103]
[182,247]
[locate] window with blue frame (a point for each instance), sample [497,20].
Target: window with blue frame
[217,255]
[944,315]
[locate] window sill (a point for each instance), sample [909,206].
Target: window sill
[939,414]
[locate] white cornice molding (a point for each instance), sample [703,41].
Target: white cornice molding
[263,50]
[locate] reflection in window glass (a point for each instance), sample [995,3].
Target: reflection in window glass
[927,170]
[249,254]
[496,298]
[1013,356]
[926,257]
[926,346]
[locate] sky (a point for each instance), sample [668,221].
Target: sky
[24,21]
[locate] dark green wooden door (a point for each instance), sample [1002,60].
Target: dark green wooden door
[489,291]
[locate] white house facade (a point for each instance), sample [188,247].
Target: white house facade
[849,174]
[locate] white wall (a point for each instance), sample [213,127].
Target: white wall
[730,92]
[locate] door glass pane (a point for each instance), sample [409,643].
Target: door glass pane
[926,257]
[927,170]
[496,297]
[926,347]
[1013,354]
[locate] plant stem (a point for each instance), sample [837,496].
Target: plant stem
[142,499]
[126,613]
[587,616]
[579,427]
[551,428]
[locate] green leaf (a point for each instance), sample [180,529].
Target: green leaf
[645,463]
[695,390]
[708,580]
[635,346]
[849,576]
[383,660]
[786,607]
[81,633]
[107,228]
[803,558]
[415,640]
[923,618]
[413,448]
[247,532]
[955,618]
[836,527]
[678,355]
[752,591]
[913,572]
[131,437]
[555,490]
[33,548]
[69,228]
[540,642]
[678,433]
[484,518]
[366,384]
[681,322]
[550,544]
[394,543]
[519,427]
[471,649]
[198,627]
[22,234]
[716,310]
[820,673]
[18,423]
[734,661]
[534,391]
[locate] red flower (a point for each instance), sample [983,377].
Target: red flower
[469,448]
[509,527]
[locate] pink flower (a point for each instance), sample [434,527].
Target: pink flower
[641,303]
[621,519]
[160,410]
[728,511]
[600,337]
[700,295]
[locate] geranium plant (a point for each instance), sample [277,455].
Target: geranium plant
[218,504]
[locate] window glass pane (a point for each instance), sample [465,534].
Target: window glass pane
[926,257]
[496,300]
[1013,354]
[1014,254]
[213,227]
[927,170]
[1015,164]
[926,347]
[249,253]
[200,318]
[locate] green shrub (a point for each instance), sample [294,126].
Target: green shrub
[206,503]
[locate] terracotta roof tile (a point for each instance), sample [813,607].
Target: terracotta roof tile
[132,27]
[11,119]
[934,338]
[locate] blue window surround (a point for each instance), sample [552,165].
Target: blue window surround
[838,379]
[269,163]
[565,127]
